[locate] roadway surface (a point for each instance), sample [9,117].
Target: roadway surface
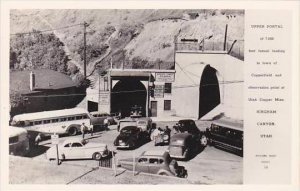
[211,166]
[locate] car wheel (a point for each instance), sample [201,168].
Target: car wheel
[72,131]
[97,156]
[203,141]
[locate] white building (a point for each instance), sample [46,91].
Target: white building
[203,85]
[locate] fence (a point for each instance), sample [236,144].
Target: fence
[144,64]
[237,50]
[106,162]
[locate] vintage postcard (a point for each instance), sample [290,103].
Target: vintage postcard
[167,94]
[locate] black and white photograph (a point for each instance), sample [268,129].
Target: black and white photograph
[126,96]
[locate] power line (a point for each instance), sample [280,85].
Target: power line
[135,91]
[60,28]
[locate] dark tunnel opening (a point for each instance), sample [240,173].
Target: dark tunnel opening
[209,91]
[126,94]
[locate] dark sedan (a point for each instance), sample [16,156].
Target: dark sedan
[187,141]
[131,137]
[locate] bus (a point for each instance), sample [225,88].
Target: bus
[18,141]
[65,121]
[227,134]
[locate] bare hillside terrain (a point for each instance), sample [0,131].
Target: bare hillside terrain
[116,35]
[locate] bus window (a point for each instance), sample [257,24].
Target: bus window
[54,120]
[78,117]
[84,116]
[71,118]
[38,122]
[31,123]
[20,123]
[46,121]
[63,119]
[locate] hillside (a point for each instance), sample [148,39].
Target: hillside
[118,35]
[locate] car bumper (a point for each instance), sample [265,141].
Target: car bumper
[123,146]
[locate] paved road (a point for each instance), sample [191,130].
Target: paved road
[211,166]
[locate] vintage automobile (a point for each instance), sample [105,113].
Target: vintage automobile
[145,123]
[186,125]
[76,148]
[188,140]
[98,118]
[182,146]
[155,162]
[136,111]
[131,137]
[18,141]
[226,134]
[160,136]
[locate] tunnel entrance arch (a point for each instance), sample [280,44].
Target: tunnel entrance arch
[209,89]
[127,93]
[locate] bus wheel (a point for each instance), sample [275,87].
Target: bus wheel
[72,131]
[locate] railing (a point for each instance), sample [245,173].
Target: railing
[143,64]
[237,48]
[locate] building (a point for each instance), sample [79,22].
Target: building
[43,90]
[203,85]
[120,90]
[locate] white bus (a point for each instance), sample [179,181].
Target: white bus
[18,141]
[66,121]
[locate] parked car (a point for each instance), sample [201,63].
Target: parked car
[77,148]
[186,125]
[98,118]
[226,134]
[187,141]
[189,126]
[18,141]
[182,145]
[160,136]
[145,123]
[155,162]
[131,137]
[136,111]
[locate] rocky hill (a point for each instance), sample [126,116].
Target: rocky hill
[135,35]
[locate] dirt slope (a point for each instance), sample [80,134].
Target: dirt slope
[148,34]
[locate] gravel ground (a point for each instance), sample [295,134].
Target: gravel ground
[76,174]
[211,166]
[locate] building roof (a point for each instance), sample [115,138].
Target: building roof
[45,79]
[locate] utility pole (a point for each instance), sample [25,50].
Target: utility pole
[84,47]
[225,38]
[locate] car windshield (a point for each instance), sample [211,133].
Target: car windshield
[128,131]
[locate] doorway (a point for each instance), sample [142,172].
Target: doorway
[154,108]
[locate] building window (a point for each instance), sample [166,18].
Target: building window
[167,105]
[168,88]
